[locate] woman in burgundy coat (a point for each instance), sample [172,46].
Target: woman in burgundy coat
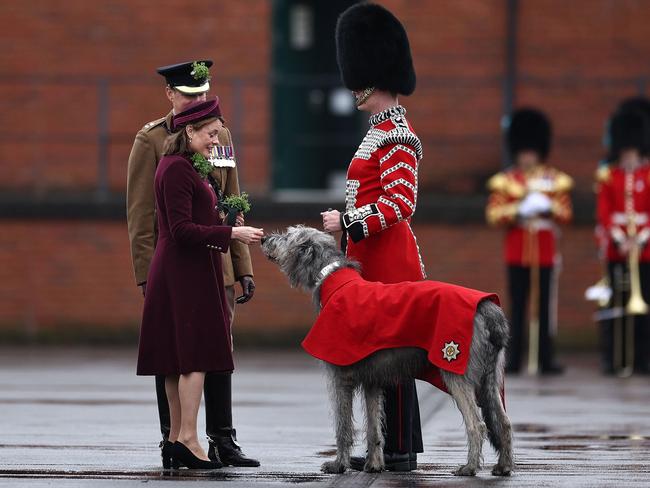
[185,330]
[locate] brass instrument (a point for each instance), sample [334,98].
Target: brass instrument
[635,305]
[624,330]
[601,291]
[604,282]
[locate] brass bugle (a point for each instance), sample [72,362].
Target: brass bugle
[635,305]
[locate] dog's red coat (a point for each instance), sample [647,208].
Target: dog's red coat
[360,317]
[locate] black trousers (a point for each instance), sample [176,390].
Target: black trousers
[519,289]
[614,332]
[402,431]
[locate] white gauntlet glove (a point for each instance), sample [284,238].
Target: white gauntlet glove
[642,237]
[534,204]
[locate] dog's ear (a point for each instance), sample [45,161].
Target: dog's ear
[306,251]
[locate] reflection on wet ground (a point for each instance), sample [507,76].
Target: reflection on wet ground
[184,474]
[89,420]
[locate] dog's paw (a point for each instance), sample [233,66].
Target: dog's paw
[466,470]
[499,470]
[373,467]
[332,467]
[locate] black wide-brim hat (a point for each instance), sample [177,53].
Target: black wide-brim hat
[373,50]
[529,130]
[195,112]
[184,78]
[629,129]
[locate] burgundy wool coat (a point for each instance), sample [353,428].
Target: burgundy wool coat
[185,327]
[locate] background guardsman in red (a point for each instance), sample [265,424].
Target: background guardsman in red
[374,57]
[623,214]
[529,200]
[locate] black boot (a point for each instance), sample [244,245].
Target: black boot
[551,369]
[606,347]
[393,461]
[229,452]
[168,461]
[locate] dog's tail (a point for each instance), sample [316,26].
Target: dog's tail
[491,384]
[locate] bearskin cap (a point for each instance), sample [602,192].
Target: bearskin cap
[529,129]
[629,129]
[373,50]
[636,103]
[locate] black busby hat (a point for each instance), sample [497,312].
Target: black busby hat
[529,129]
[373,50]
[636,103]
[190,78]
[629,129]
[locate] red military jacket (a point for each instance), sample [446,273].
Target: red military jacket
[360,317]
[623,196]
[380,198]
[529,240]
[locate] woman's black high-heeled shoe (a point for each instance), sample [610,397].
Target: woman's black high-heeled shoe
[185,457]
[168,460]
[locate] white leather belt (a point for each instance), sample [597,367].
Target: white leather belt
[539,224]
[622,218]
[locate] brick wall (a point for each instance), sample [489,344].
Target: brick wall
[575,59]
[63,276]
[61,51]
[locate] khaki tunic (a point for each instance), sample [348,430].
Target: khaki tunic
[140,202]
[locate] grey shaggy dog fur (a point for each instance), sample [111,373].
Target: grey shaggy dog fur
[301,253]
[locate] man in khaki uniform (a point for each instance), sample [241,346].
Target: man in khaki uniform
[188,82]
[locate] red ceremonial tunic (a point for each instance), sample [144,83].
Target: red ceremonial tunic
[381,194]
[360,317]
[623,195]
[524,239]
[185,325]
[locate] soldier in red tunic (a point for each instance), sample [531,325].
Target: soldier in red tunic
[623,213]
[529,200]
[381,188]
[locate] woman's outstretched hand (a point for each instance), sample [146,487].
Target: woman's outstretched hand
[246,234]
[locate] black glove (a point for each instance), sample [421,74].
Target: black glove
[248,288]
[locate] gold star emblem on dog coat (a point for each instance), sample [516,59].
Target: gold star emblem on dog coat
[450,351]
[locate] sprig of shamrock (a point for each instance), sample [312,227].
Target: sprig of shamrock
[238,202]
[200,71]
[202,165]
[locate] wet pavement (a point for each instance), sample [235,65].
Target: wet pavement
[74,418]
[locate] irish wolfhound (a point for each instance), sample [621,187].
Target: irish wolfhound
[307,256]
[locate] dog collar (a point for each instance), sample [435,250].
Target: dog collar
[326,271]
